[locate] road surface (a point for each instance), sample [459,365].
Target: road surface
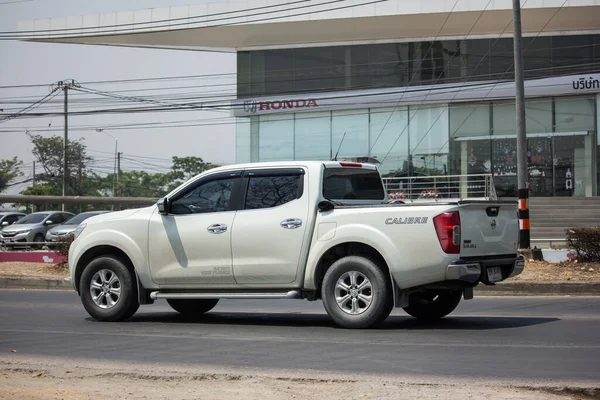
[506,338]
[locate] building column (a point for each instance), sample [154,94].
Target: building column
[464,165]
[254,139]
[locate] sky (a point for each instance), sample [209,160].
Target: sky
[25,63]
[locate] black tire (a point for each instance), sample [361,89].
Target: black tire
[127,303]
[39,238]
[433,305]
[382,300]
[192,307]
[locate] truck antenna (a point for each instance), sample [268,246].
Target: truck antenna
[339,147]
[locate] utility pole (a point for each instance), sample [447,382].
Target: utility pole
[114,182]
[522,172]
[119,174]
[80,192]
[33,184]
[65,86]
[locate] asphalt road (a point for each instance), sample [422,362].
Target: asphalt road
[537,338]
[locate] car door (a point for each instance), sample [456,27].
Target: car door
[55,219]
[269,233]
[191,245]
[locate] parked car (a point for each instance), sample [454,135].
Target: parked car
[9,218]
[33,227]
[58,232]
[294,230]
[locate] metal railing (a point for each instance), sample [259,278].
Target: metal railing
[27,245]
[480,186]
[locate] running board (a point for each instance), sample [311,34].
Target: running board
[292,294]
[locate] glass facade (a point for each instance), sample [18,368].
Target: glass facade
[321,69]
[451,138]
[455,139]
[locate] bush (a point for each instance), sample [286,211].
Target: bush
[586,242]
[62,248]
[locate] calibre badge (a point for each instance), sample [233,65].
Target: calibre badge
[406,221]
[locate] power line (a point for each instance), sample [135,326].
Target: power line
[14,1]
[19,35]
[451,134]
[439,116]
[450,88]
[276,71]
[30,107]
[157,21]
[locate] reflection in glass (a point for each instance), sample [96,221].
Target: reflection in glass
[271,191]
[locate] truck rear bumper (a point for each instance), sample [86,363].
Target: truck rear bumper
[463,271]
[473,270]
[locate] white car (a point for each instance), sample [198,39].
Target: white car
[302,230]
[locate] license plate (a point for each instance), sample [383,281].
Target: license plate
[494,274]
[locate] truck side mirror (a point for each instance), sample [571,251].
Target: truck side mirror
[163,206]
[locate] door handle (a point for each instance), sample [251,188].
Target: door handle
[291,223]
[217,228]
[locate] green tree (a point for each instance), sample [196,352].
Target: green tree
[139,184]
[9,170]
[50,155]
[185,168]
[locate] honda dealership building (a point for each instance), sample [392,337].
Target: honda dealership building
[420,87]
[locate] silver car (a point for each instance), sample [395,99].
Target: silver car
[9,218]
[33,227]
[58,232]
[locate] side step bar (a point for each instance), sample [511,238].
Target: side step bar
[292,294]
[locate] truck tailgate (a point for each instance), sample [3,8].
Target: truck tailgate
[488,228]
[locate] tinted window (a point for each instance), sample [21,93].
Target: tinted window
[79,218]
[352,184]
[32,219]
[209,197]
[57,218]
[272,191]
[10,219]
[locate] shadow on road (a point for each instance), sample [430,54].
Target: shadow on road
[322,320]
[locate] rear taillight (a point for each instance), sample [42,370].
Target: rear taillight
[447,227]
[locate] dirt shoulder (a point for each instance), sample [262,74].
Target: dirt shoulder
[29,269]
[534,271]
[76,380]
[565,271]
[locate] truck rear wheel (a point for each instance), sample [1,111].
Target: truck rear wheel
[191,307]
[432,305]
[357,293]
[108,290]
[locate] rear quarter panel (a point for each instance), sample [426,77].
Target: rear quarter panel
[411,250]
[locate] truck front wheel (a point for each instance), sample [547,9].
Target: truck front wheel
[108,290]
[432,305]
[357,293]
[191,307]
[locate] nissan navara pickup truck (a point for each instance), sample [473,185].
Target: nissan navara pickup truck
[294,230]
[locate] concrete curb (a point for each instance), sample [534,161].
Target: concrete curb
[524,288]
[26,282]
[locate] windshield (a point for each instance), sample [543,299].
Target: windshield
[352,184]
[76,220]
[32,219]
